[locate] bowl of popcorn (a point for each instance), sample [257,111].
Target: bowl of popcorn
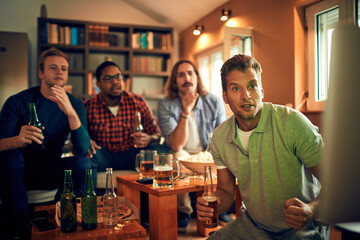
[197,162]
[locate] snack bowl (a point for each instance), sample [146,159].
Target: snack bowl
[197,162]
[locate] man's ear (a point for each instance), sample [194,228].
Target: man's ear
[98,83]
[40,74]
[262,93]
[225,97]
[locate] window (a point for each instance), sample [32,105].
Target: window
[210,63]
[211,60]
[322,18]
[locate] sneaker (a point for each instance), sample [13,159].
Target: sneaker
[225,218]
[183,222]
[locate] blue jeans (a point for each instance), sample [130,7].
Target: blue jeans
[19,174]
[104,158]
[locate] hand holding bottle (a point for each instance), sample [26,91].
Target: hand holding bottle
[28,135]
[208,211]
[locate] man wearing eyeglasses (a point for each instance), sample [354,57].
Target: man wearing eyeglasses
[111,117]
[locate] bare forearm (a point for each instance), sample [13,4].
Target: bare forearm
[8,144]
[227,200]
[74,121]
[179,136]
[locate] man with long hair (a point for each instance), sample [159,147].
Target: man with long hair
[187,116]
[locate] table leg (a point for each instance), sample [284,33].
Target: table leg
[133,195]
[163,217]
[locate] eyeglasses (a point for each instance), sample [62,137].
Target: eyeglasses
[108,78]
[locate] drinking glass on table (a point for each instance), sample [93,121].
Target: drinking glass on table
[166,171]
[144,163]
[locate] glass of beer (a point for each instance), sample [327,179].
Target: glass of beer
[166,171]
[144,163]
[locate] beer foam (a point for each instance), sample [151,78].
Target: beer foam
[204,157]
[163,168]
[209,198]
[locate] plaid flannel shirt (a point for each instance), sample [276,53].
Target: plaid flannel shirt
[113,132]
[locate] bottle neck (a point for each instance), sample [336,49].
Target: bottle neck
[109,183]
[33,115]
[208,183]
[68,184]
[89,186]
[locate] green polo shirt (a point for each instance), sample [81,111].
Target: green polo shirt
[281,148]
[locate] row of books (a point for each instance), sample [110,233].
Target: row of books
[53,33]
[148,64]
[151,40]
[93,89]
[100,35]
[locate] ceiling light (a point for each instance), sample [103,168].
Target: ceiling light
[225,15]
[198,29]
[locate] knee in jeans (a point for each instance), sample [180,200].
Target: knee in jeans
[81,163]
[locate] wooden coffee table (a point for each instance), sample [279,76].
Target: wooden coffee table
[162,204]
[131,230]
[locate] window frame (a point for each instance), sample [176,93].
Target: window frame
[346,16]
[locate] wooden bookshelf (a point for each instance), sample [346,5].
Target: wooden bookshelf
[142,52]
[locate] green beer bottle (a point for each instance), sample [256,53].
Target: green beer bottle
[34,121]
[88,204]
[68,205]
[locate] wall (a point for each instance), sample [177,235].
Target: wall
[21,16]
[277,44]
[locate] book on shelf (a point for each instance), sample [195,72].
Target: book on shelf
[73,36]
[53,33]
[127,84]
[67,35]
[92,87]
[148,64]
[54,36]
[151,40]
[99,35]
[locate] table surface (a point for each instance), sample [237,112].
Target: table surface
[189,184]
[131,230]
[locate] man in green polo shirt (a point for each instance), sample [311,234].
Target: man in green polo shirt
[274,152]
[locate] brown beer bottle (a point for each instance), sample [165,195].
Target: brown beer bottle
[34,121]
[138,127]
[210,196]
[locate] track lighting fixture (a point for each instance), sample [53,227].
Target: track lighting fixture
[225,15]
[198,29]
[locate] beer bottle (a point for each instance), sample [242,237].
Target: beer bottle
[110,201]
[138,127]
[68,205]
[210,196]
[208,149]
[34,121]
[88,204]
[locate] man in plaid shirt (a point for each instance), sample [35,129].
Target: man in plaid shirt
[111,115]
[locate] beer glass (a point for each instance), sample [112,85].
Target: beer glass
[166,171]
[144,163]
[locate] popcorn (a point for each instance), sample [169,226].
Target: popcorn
[119,226]
[204,157]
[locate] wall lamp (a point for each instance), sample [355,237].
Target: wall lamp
[198,29]
[225,15]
